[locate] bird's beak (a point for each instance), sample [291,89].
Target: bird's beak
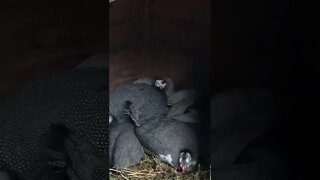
[184,169]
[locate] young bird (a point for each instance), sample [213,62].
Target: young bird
[124,147]
[141,102]
[173,142]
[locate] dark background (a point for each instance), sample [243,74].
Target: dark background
[274,44]
[43,36]
[271,43]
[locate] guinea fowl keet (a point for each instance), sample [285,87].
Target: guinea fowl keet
[124,147]
[146,103]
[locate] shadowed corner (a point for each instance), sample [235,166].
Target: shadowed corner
[54,36]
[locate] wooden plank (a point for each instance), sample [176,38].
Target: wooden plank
[199,11]
[122,36]
[173,35]
[125,10]
[125,24]
[183,4]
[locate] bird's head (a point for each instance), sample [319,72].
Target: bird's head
[160,83]
[187,162]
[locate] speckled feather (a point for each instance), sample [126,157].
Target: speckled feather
[76,100]
[124,147]
[168,137]
[147,102]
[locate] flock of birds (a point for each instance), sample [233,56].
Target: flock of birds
[66,114]
[146,117]
[149,117]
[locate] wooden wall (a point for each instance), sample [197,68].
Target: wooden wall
[124,22]
[161,37]
[180,25]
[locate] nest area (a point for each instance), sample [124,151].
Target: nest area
[152,168]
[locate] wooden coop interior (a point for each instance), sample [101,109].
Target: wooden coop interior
[160,38]
[231,45]
[167,39]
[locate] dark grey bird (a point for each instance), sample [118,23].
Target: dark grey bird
[179,102]
[133,103]
[164,135]
[55,127]
[146,103]
[171,139]
[173,142]
[124,147]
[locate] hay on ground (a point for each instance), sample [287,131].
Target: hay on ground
[152,168]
